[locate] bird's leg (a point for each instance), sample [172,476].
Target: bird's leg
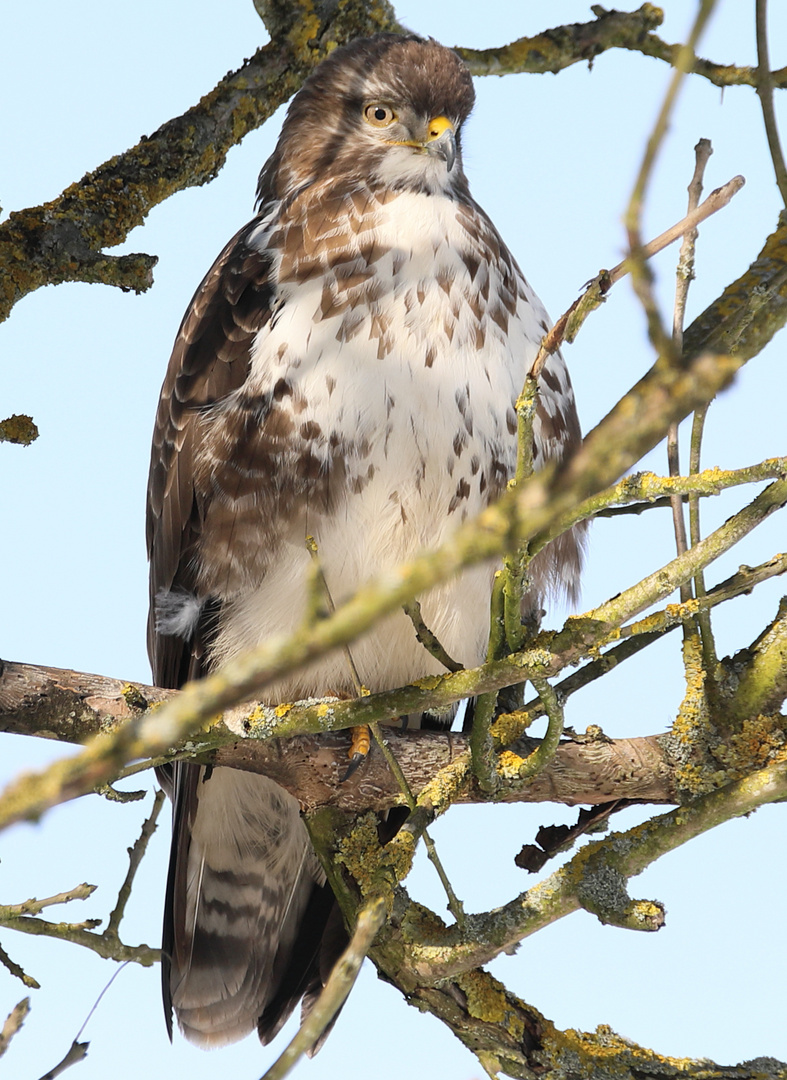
[360,744]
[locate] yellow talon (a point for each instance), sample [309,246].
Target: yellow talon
[360,743]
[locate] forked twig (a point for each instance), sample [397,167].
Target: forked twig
[568,325]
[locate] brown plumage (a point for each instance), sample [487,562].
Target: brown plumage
[347,369]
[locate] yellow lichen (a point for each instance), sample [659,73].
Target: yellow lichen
[509,764]
[375,868]
[134,697]
[761,740]
[487,1001]
[509,726]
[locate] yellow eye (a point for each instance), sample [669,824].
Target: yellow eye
[379,116]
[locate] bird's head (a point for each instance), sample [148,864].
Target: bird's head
[387,109]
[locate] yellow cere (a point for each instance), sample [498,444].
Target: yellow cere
[438,126]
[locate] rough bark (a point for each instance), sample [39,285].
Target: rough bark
[72,706]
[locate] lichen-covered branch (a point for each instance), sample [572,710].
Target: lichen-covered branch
[559,48]
[437,966]
[63,240]
[72,706]
[634,426]
[27,692]
[595,879]
[759,673]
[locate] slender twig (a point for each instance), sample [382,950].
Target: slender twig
[77,1051]
[567,326]
[13,1023]
[683,64]
[536,762]
[136,853]
[684,275]
[339,984]
[454,904]
[427,637]
[676,502]
[482,748]
[35,907]
[17,971]
[640,275]
[765,94]
[710,658]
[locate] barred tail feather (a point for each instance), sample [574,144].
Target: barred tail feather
[248,873]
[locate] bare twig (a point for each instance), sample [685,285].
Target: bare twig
[427,637]
[17,971]
[136,853]
[339,984]
[13,1023]
[684,275]
[35,907]
[24,916]
[765,94]
[76,1052]
[568,325]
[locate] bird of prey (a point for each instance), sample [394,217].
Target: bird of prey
[347,370]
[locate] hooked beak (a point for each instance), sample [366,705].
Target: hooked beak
[441,141]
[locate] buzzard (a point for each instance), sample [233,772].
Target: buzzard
[347,370]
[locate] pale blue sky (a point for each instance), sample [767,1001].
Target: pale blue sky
[552,159]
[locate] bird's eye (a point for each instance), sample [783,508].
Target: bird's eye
[379,116]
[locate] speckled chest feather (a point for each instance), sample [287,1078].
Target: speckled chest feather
[378,413]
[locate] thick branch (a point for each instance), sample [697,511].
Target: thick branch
[63,239]
[595,879]
[559,48]
[312,766]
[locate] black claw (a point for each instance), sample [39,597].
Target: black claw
[355,761]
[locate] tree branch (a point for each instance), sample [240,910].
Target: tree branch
[63,239]
[27,694]
[594,879]
[559,48]
[13,1023]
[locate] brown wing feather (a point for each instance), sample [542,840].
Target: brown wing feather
[210,359]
